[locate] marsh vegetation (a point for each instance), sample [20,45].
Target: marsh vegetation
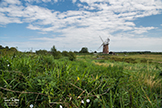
[41,80]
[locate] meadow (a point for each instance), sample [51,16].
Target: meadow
[89,81]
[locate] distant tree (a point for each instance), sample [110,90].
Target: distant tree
[76,52]
[112,53]
[13,49]
[56,54]
[59,55]
[1,47]
[42,52]
[7,48]
[65,53]
[84,50]
[53,49]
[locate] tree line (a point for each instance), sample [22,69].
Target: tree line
[54,52]
[7,48]
[59,54]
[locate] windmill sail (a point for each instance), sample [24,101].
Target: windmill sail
[101,39]
[100,46]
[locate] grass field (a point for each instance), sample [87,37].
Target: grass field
[154,57]
[90,81]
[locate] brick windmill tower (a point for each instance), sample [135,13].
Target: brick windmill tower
[105,45]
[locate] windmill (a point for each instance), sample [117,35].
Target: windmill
[105,45]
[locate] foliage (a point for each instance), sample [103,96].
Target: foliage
[56,54]
[8,51]
[84,50]
[13,49]
[1,47]
[42,52]
[85,82]
[65,53]
[72,56]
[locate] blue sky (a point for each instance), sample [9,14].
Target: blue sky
[131,25]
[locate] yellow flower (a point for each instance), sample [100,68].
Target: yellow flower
[78,78]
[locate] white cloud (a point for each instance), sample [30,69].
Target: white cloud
[46,0]
[6,20]
[73,1]
[33,27]
[42,32]
[141,30]
[79,5]
[13,2]
[55,1]
[13,11]
[33,13]
[103,19]
[136,44]
[38,1]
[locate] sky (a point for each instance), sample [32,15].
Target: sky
[131,25]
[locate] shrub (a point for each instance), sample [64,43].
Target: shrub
[56,54]
[42,52]
[65,53]
[72,56]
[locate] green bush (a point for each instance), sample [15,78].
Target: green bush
[42,52]
[65,53]
[71,56]
[56,54]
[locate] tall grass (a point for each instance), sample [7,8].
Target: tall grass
[47,82]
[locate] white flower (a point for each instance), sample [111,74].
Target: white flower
[31,106]
[88,100]
[8,65]
[82,101]
[61,106]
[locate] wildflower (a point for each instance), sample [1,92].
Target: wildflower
[31,106]
[82,101]
[88,100]
[70,98]
[79,97]
[61,106]
[8,65]
[78,78]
